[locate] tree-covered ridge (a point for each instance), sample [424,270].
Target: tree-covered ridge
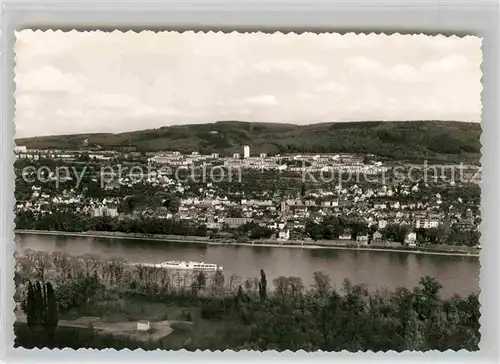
[408,140]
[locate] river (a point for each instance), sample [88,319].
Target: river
[376,269]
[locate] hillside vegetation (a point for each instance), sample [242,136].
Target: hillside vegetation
[408,140]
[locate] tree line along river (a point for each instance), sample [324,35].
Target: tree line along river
[376,269]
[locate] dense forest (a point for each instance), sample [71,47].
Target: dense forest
[408,140]
[225,313]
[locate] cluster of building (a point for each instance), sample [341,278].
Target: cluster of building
[42,202]
[378,205]
[293,163]
[244,160]
[287,216]
[22,152]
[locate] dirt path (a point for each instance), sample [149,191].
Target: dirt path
[159,329]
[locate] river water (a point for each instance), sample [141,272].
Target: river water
[376,269]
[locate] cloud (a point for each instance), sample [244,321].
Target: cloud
[450,64]
[365,64]
[298,67]
[332,87]
[95,81]
[262,99]
[431,71]
[404,73]
[47,79]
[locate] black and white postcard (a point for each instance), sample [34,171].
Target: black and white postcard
[247,191]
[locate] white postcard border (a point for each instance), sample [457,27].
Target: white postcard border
[445,17]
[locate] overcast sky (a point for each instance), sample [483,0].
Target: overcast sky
[113,82]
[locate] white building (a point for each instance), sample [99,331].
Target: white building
[143,325]
[234,222]
[213,225]
[246,151]
[105,211]
[345,236]
[362,238]
[426,223]
[284,234]
[20,149]
[411,239]
[382,224]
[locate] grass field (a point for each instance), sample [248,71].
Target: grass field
[114,322]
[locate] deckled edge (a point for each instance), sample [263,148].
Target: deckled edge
[236,32]
[9,311]
[7,247]
[483,252]
[10,235]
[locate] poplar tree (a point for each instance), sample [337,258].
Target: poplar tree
[51,312]
[41,310]
[39,305]
[30,307]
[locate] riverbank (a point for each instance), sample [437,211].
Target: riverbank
[338,245]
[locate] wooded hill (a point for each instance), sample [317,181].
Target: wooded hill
[409,140]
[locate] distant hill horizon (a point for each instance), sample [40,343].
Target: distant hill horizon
[240,121]
[399,140]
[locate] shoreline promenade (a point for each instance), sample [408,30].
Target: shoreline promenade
[330,244]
